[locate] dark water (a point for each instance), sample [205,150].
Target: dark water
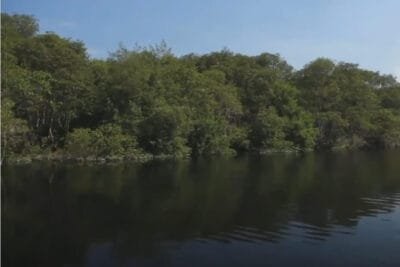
[337,209]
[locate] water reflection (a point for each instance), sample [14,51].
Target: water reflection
[166,213]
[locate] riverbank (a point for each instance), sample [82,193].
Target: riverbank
[143,157]
[20,160]
[62,157]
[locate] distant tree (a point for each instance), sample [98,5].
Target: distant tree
[50,85]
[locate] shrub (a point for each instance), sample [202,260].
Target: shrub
[107,140]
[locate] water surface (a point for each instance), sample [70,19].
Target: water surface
[317,209]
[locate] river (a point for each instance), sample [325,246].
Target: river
[314,209]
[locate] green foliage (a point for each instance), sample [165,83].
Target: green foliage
[390,98]
[386,132]
[14,132]
[160,133]
[302,131]
[107,140]
[331,127]
[210,137]
[268,131]
[349,104]
[147,99]
[48,78]
[19,25]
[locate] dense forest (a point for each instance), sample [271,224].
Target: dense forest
[56,100]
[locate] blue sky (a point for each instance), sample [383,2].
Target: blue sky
[358,31]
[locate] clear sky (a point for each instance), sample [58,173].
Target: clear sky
[358,31]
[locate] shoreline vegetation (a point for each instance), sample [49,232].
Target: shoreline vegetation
[62,157]
[58,104]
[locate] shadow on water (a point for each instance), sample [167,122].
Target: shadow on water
[136,214]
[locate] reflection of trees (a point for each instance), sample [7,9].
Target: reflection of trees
[138,206]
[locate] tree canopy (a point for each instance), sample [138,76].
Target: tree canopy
[149,101]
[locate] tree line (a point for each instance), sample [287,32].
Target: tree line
[148,101]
